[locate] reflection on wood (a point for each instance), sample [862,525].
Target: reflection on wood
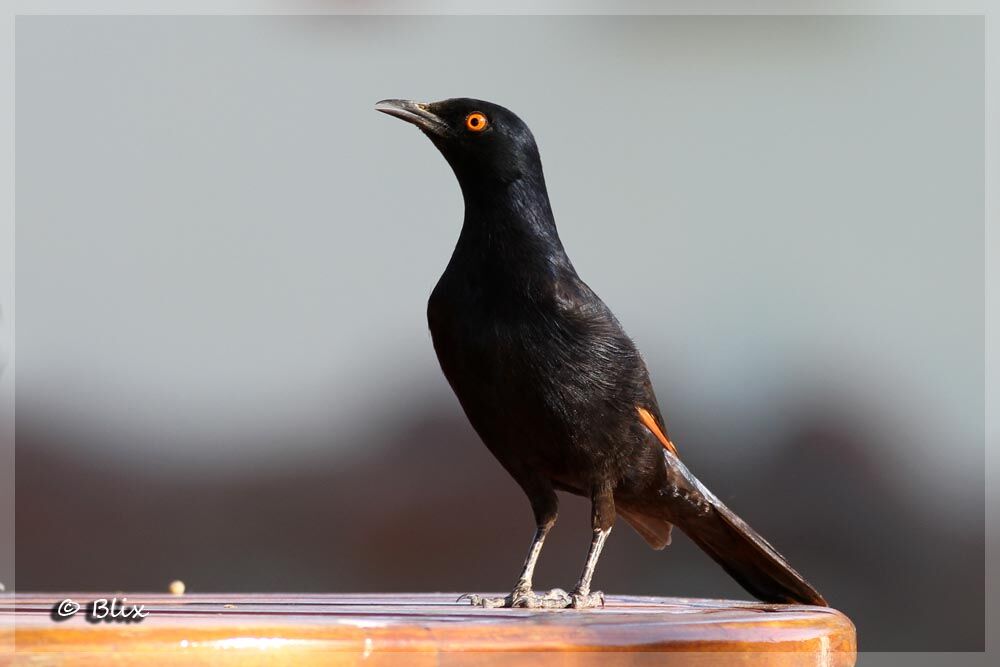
[425,629]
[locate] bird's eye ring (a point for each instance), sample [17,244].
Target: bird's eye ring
[476,122]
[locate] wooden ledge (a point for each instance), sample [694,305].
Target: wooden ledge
[425,629]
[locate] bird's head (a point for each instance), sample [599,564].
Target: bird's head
[483,142]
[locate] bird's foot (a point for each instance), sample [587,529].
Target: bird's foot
[557,598]
[580,600]
[523,598]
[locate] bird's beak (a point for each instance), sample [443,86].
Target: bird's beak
[413,112]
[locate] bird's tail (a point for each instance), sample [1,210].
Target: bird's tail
[738,548]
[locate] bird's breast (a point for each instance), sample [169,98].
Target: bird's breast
[487,333]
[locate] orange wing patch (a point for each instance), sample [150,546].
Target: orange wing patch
[649,422]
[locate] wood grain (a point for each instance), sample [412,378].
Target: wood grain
[425,629]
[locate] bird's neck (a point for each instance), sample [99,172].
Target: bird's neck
[511,224]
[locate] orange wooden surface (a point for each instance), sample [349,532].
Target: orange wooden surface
[425,629]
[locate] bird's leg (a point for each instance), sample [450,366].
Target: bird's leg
[545,506]
[603,518]
[522,595]
[528,571]
[582,597]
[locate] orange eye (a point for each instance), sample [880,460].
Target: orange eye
[476,122]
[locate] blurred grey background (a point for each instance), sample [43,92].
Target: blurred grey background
[224,255]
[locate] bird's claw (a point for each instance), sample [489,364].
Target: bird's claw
[521,598]
[483,601]
[580,600]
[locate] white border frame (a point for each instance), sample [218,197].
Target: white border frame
[987,8]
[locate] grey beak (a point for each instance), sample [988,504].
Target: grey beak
[413,112]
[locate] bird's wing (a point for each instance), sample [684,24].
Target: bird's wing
[655,530]
[581,305]
[650,422]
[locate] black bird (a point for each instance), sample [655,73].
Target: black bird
[550,381]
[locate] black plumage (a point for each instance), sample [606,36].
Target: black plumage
[547,376]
